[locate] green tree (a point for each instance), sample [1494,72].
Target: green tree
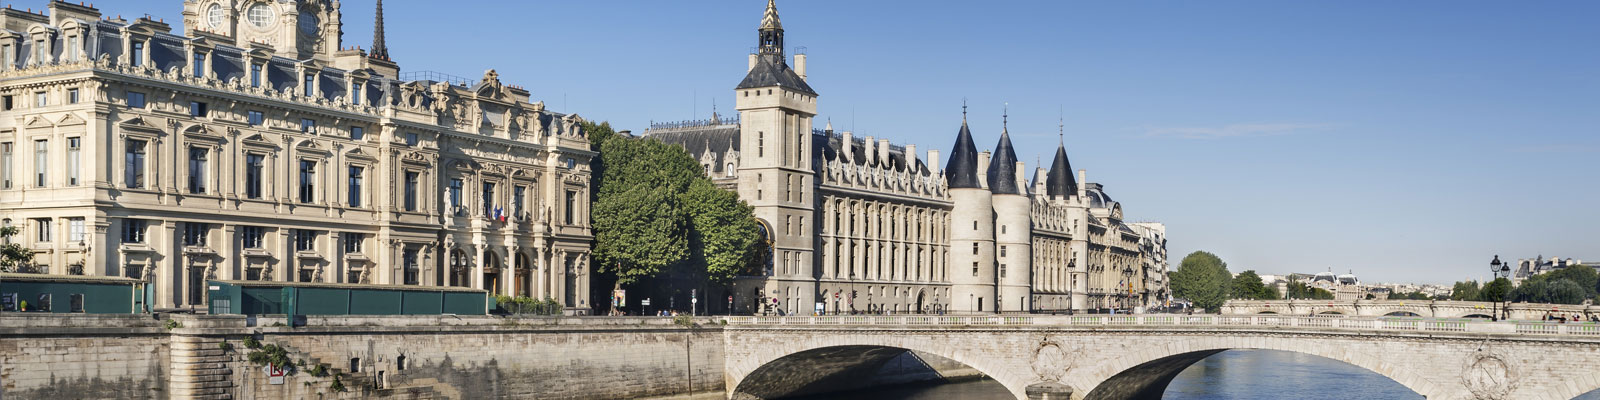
[1497,290]
[1466,291]
[13,256]
[1584,277]
[724,231]
[1203,279]
[1248,286]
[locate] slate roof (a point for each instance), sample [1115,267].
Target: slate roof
[772,70]
[1003,168]
[828,148]
[1060,181]
[962,170]
[720,140]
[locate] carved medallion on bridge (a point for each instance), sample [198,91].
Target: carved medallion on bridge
[1488,375]
[1052,360]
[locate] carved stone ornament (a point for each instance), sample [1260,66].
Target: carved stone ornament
[1051,360]
[1488,375]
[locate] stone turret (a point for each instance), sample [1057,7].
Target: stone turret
[972,274]
[1012,229]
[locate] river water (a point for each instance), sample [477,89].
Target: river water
[1229,375]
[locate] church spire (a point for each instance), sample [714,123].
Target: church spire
[379,49]
[771,32]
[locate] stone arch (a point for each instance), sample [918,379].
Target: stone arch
[849,354]
[1331,312]
[1476,315]
[1401,313]
[1145,374]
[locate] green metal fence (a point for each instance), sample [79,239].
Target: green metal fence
[70,294]
[292,298]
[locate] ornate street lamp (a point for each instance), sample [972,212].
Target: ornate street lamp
[1500,270]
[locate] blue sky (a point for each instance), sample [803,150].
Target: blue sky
[1406,141]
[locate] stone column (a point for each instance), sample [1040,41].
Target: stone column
[510,268]
[477,268]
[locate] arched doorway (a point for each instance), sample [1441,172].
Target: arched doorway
[524,274]
[920,304]
[491,273]
[460,268]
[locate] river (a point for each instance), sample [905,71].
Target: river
[1230,375]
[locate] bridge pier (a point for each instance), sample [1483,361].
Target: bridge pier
[1049,391]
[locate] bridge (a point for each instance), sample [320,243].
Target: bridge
[1407,308]
[1097,357]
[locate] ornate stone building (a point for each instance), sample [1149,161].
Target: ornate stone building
[858,224]
[257,146]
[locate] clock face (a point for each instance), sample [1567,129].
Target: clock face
[308,23]
[259,15]
[214,15]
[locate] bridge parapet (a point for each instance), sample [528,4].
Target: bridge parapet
[1197,322]
[1423,308]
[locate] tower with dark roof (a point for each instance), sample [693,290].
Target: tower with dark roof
[1059,182]
[972,251]
[379,49]
[1013,231]
[776,108]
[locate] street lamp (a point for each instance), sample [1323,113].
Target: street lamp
[1500,270]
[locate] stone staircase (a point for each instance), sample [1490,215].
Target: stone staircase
[200,369]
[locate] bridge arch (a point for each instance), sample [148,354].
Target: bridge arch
[1146,374]
[787,369]
[1401,314]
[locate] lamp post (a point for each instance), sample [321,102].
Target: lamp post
[1500,270]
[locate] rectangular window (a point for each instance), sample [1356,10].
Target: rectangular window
[43,229]
[133,168]
[41,162]
[72,96]
[357,133]
[6,158]
[761,144]
[41,99]
[135,100]
[411,139]
[352,242]
[250,237]
[412,268]
[1002,251]
[256,118]
[199,69]
[197,169]
[305,240]
[252,176]
[974,249]
[308,179]
[355,186]
[10,102]
[74,151]
[572,205]
[411,190]
[197,109]
[9,59]
[255,75]
[355,94]
[76,231]
[307,125]
[518,196]
[974,268]
[310,84]
[488,199]
[194,233]
[74,47]
[455,194]
[137,54]
[133,230]
[1002,270]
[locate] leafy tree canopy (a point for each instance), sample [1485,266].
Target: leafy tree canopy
[1203,279]
[1248,286]
[13,256]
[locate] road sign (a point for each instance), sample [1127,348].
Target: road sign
[645,302]
[274,375]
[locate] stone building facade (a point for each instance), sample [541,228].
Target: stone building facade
[858,224]
[256,146]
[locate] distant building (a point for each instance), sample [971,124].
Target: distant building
[1527,268]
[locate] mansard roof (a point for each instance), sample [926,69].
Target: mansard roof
[1060,181]
[721,140]
[772,70]
[828,148]
[962,170]
[1003,168]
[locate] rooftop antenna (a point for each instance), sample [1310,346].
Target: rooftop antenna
[963,108]
[1061,126]
[1005,115]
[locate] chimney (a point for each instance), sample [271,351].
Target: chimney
[867,151]
[1022,179]
[983,165]
[800,65]
[847,143]
[911,158]
[933,161]
[883,151]
[1083,183]
[752,63]
[1040,179]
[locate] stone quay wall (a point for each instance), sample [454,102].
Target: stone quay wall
[413,357]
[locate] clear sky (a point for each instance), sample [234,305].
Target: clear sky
[1406,141]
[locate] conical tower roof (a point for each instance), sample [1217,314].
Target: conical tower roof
[1003,167]
[1060,181]
[770,19]
[962,170]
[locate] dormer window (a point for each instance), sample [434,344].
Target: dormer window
[214,16]
[199,67]
[259,14]
[255,75]
[311,80]
[137,55]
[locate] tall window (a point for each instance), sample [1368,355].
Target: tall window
[355,186]
[41,162]
[74,47]
[133,164]
[200,65]
[1002,251]
[357,133]
[72,96]
[488,199]
[250,237]
[197,170]
[43,229]
[355,93]
[518,196]
[305,240]
[194,233]
[255,75]
[6,158]
[256,118]
[135,100]
[409,258]
[74,147]
[76,231]
[252,175]
[137,54]
[974,268]
[1002,270]
[572,205]
[411,190]
[455,193]
[311,81]
[41,99]
[761,144]
[133,230]
[308,179]
[352,242]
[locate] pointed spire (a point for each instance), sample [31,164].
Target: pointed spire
[1003,167]
[770,19]
[379,49]
[1060,181]
[829,128]
[770,34]
[962,170]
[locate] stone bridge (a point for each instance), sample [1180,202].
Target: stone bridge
[1136,356]
[1404,308]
